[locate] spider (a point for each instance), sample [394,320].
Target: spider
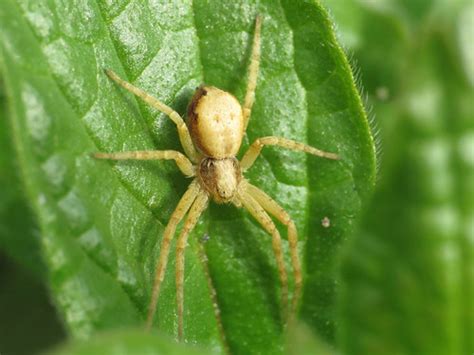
[211,139]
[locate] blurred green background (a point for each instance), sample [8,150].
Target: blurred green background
[407,275]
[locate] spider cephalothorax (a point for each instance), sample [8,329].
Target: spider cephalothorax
[211,140]
[220,178]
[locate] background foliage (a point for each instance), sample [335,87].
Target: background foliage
[406,276]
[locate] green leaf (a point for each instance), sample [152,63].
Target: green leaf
[19,237]
[407,285]
[131,341]
[102,222]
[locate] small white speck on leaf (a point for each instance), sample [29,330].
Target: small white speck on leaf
[326,222]
[205,238]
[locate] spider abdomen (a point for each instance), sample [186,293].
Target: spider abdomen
[220,178]
[216,122]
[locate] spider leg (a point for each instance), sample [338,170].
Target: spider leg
[252,73]
[183,131]
[266,222]
[199,205]
[254,150]
[183,206]
[272,207]
[181,160]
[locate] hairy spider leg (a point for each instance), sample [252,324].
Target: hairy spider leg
[194,197]
[254,150]
[252,73]
[266,222]
[199,205]
[181,160]
[183,131]
[274,209]
[181,209]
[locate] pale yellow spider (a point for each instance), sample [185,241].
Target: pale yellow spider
[211,140]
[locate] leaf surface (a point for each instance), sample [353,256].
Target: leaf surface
[102,222]
[19,237]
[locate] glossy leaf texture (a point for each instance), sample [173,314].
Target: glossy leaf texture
[409,273]
[101,222]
